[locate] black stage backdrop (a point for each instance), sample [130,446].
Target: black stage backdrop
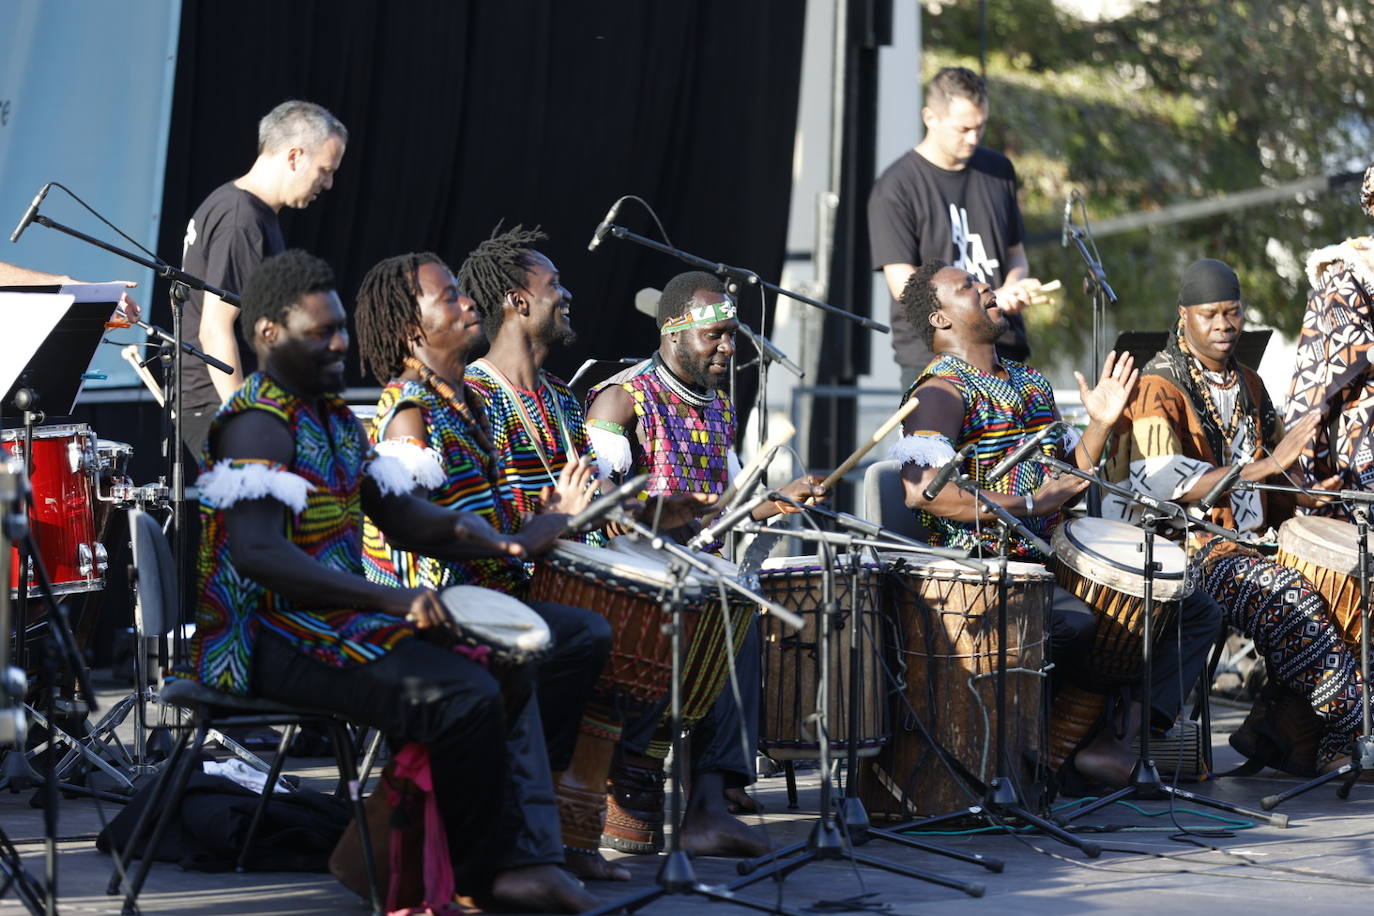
[537,112]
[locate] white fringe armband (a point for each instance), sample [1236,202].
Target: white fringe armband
[229,482]
[390,474]
[923,449]
[612,452]
[420,461]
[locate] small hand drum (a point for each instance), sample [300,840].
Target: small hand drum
[495,625]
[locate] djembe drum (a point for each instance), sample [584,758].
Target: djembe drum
[1103,563]
[1327,552]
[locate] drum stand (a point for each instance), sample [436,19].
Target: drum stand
[834,836]
[1000,798]
[676,876]
[1362,757]
[1145,782]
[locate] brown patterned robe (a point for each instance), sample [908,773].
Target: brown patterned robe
[1333,370]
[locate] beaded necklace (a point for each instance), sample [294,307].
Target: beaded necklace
[1206,380]
[681,389]
[472,413]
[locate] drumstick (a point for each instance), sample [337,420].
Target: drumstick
[888,426]
[131,356]
[782,433]
[1050,287]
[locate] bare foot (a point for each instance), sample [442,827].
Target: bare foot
[715,833]
[592,866]
[739,801]
[540,889]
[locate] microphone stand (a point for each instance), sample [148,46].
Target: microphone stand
[676,876]
[1100,290]
[1000,798]
[181,281]
[1145,782]
[1362,756]
[834,836]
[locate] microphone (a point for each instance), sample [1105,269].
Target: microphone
[605,226]
[1068,221]
[951,467]
[1226,482]
[727,521]
[593,515]
[767,350]
[30,213]
[1022,451]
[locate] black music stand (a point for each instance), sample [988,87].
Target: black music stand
[1145,344]
[56,370]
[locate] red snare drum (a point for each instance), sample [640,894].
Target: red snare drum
[62,522]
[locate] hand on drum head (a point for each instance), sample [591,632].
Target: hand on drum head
[576,485]
[472,530]
[1056,491]
[422,607]
[673,510]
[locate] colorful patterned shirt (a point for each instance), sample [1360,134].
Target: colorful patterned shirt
[330,458]
[557,420]
[685,448]
[998,414]
[470,484]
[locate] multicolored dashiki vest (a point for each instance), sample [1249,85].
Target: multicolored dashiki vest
[998,414]
[555,416]
[470,484]
[686,448]
[331,453]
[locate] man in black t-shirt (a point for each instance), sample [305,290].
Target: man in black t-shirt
[951,200]
[300,146]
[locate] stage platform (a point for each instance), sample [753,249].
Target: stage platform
[1320,863]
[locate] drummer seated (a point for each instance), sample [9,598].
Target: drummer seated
[968,395]
[285,612]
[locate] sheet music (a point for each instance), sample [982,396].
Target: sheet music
[38,314]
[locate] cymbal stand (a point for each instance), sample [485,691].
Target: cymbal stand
[1362,757]
[1145,782]
[677,877]
[13,727]
[1000,798]
[830,838]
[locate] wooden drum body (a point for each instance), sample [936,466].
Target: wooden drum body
[1326,551]
[948,650]
[791,660]
[625,589]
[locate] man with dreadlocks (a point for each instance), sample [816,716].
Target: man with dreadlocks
[1335,364]
[415,334]
[1196,413]
[671,418]
[285,612]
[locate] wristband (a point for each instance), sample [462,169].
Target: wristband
[1030,505]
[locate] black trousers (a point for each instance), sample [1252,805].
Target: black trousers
[420,692]
[567,675]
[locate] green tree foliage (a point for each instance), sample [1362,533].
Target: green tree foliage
[1174,101]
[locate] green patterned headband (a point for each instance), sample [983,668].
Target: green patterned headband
[699,316]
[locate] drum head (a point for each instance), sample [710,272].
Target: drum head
[497,618]
[1113,554]
[639,550]
[808,563]
[1324,542]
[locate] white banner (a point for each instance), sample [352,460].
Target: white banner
[86,100]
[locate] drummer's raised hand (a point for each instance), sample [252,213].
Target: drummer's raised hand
[1109,397]
[576,486]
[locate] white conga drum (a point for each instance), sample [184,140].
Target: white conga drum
[1327,552]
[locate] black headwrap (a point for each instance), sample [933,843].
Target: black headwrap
[1208,280]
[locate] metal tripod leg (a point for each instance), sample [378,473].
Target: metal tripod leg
[1145,785]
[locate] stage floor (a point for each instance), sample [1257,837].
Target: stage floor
[1319,864]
